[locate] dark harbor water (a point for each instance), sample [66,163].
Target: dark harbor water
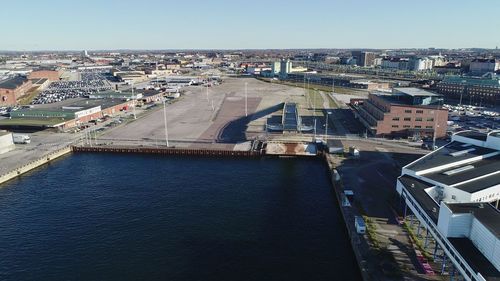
[137,217]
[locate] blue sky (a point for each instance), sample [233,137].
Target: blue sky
[225,24]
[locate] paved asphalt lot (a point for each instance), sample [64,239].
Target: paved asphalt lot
[217,118]
[373,180]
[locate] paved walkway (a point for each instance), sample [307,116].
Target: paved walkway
[373,178]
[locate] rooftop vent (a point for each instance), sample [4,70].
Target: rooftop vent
[462,152]
[458,170]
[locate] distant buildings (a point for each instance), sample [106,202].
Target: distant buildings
[340,81]
[364,58]
[12,89]
[482,66]
[285,67]
[395,63]
[412,63]
[406,112]
[50,74]
[420,64]
[469,90]
[129,75]
[275,67]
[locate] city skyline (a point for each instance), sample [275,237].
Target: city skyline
[224,25]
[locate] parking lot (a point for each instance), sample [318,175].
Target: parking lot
[57,91]
[472,118]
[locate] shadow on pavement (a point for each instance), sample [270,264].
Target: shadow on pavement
[234,131]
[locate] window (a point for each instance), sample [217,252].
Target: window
[406,126]
[428,127]
[420,111]
[430,119]
[418,119]
[407,110]
[407,119]
[395,126]
[418,127]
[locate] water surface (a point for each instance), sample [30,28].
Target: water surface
[140,217]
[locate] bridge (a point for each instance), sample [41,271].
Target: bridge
[290,120]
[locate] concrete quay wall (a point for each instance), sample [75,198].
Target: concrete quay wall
[34,164]
[167,151]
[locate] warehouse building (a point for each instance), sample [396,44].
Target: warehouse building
[484,65]
[12,89]
[67,116]
[406,112]
[50,74]
[478,91]
[453,193]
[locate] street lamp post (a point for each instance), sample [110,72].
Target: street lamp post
[326,123]
[246,99]
[165,118]
[133,101]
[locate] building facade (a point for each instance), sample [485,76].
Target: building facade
[482,66]
[469,90]
[406,112]
[453,194]
[364,58]
[395,63]
[51,75]
[12,89]
[285,67]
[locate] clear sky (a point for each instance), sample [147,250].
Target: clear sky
[257,24]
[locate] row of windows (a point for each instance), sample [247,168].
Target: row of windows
[418,111]
[408,126]
[418,119]
[485,198]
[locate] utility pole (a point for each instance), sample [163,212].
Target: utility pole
[246,99]
[207,92]
[435,128]
[165,117]
[327,115]
[133,100]
[315,129]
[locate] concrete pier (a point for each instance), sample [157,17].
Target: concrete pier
[34,164]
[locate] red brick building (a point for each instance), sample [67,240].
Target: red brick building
[406,112]
[52,75]
[12,89]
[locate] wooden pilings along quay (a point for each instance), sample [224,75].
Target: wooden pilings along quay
[168,151]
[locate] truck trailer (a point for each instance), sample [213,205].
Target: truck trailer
[21,139]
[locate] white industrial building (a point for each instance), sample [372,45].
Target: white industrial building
[6,142]
[454,193]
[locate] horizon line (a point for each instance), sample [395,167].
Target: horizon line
[243,49]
